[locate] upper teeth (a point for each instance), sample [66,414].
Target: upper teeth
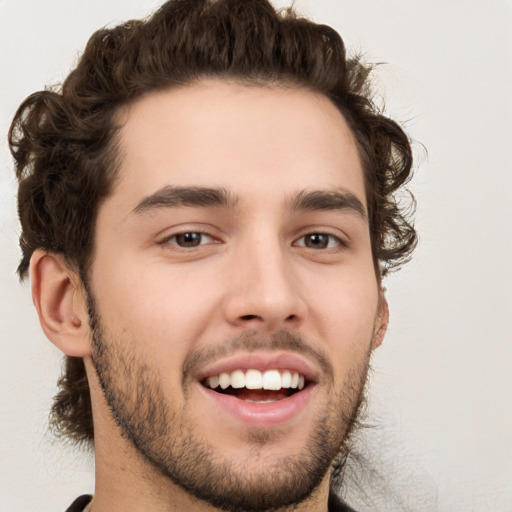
[254,379]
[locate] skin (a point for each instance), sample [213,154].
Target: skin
[254,273]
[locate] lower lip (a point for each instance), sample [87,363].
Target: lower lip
[260,414]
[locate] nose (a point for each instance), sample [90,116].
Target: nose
[264,293]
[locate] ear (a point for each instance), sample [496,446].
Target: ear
[381,322]
[60,301]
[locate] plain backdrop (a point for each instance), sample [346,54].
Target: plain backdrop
[441,406]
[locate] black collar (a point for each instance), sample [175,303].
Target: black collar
[335,505]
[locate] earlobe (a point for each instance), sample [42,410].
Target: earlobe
[382,321]
[59,299]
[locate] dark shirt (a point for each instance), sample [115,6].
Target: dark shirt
[335,505]
[80,503]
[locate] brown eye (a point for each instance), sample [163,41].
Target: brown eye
[190,239]
[319,241]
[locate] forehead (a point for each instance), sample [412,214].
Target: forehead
[256,141]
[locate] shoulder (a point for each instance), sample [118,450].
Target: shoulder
[336,505]
[80,503]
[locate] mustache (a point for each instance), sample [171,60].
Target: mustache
[253,342]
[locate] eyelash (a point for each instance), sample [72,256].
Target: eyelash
[333,241]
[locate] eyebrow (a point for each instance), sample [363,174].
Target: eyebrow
[172,197]
[206,197]
[320,200]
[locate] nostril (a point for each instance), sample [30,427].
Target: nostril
[247,318]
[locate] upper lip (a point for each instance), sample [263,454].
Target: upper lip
[261,361]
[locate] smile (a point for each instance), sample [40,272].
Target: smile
[259,390]
[255,386]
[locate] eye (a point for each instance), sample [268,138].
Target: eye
[189,239]
[319,241]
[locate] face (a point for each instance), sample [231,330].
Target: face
[233,294]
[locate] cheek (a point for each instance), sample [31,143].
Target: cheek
[344,314]
[158,308]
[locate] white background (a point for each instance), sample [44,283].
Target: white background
[442,385]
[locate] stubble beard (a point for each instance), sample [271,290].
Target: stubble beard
[166,439]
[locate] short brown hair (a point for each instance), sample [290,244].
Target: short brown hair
[64,139]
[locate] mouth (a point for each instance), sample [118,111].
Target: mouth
[259,389]
[257,386]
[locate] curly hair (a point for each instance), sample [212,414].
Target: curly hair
[63,139]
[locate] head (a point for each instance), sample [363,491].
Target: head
[211,100]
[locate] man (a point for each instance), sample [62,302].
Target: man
[207,214]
